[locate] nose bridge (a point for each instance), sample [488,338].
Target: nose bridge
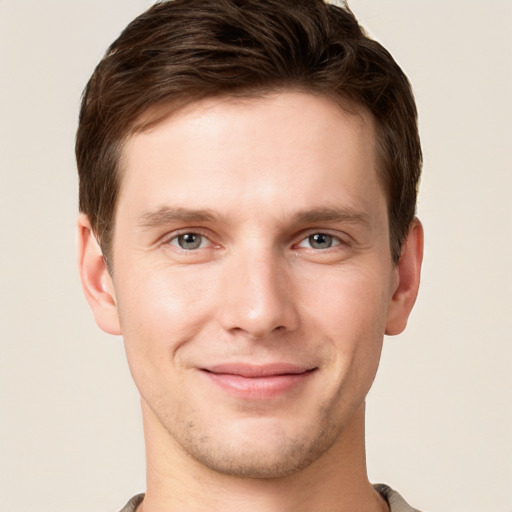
[258,296]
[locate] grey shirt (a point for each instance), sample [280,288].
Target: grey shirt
[395,501]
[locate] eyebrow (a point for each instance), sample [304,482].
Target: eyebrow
[168,215]
[332,214]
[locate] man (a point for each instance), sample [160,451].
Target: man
[248,177]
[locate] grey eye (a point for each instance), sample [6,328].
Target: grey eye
[188,241]
[320,241]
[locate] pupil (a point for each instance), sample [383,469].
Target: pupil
[320,241]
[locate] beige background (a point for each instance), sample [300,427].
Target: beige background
[440,420]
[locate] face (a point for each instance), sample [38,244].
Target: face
[253,279]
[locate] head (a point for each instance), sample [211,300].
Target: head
[182,51]
[249,169]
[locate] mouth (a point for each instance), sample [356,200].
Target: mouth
[258,382]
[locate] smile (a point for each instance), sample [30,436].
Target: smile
[258,382]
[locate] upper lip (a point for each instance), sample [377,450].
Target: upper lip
[255,371]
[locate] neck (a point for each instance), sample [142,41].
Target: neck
[336,482]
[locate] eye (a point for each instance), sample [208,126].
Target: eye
[189,241]
[319,241]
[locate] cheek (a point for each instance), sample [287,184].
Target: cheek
[349,299]
[160,311]
[351,314]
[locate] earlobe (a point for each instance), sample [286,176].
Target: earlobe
[96,281]
[408,273]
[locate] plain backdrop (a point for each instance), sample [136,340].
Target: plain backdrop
[439,414]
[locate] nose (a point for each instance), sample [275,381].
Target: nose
[257,296]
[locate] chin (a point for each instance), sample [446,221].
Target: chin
[260,454]
[259,465]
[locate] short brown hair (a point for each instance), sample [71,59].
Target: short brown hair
[181,51]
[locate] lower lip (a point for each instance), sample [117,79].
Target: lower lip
[258,388]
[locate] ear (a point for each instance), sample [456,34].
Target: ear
[407,280]
[96,281]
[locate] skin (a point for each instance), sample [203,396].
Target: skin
[255,180]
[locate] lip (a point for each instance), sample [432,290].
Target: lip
[258,382]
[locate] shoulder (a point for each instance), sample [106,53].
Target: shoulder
[395,501]
[132,505]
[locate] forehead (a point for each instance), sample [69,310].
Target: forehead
[288,148]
